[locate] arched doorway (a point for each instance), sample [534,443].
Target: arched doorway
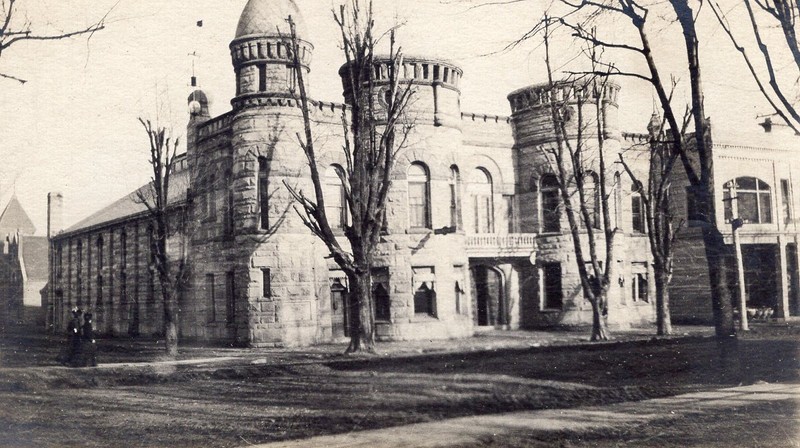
[488,297]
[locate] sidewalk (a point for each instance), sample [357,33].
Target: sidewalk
[469,431]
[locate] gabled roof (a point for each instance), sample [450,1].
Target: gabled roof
[130,206]
[14,218]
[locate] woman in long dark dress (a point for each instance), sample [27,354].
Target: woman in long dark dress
[71,357]
[89,346]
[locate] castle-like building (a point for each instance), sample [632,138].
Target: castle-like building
[475,236]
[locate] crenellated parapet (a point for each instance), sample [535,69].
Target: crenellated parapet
[437,97]
[532,119]
[538,95]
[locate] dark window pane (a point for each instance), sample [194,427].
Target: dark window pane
[417,204]
[382,303]
[550,214]
[553,295]
[637,214]
[263,203]
[266,287]
[764,206]
[748,207]
[746,183]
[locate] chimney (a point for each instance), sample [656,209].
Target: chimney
[55,203]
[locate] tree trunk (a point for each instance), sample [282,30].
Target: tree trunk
[133,325]
[362,336]
[599,314]
[663,319]
[170,329]
[716,256]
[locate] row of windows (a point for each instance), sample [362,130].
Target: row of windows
[550,205]
[100,257]
[747,198]
[480,189]
[290,80]
[552,293]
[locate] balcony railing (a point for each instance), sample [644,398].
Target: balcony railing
[496,245]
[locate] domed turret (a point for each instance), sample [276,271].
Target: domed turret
[262,53]
[198,103]
[269,18]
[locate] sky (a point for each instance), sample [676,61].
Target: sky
[73,126]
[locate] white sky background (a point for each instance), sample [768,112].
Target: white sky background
[73,127]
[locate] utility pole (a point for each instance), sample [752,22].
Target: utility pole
[737,224]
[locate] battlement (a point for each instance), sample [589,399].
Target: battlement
[419,70]
[538,95]
[215,126]
[486,118]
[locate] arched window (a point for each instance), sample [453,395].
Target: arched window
[550,201]
[637,211]
[455,197]
[482,190]
[747,198]
[335,202]
[419,207]
[591,196]
[263,193]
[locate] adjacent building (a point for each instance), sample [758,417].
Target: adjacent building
[23,266]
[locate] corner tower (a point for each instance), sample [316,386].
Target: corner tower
[261,53]
[286,290]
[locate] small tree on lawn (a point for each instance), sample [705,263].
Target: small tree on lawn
[577,116]
[373,136]
[167,222]
[655,193]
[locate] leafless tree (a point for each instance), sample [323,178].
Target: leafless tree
[693,149]
[578,160]
[167,222]
[662,226]
[772,23]
[16,26]
[373,136]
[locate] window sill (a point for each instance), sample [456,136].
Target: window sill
[544,234]
[550,310]
[423,317]
[418,231]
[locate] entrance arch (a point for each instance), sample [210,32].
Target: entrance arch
[488,290]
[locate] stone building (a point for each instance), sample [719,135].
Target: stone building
[754,179]
[23,266]
[474,239]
